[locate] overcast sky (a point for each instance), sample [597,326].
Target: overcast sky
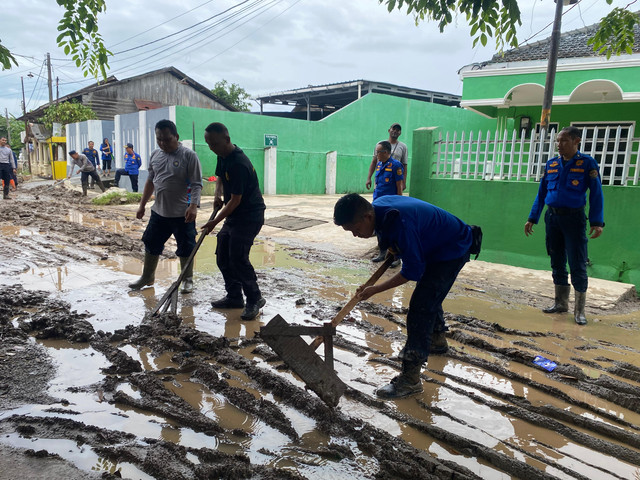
[267,46]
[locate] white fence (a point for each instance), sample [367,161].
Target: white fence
[481,157]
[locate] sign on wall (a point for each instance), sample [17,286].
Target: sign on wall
[270,140]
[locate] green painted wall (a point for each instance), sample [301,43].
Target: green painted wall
[501,208]
[566,114]
[352,131]
[497,86]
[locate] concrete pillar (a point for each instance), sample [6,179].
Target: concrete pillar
[330,180]
[270,161]
[422,158]
[142,148]
[118,146]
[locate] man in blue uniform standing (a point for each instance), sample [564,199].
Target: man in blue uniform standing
[563,189]
[132,164]
[243,214]
[434,246]
[92,155]
[389,177]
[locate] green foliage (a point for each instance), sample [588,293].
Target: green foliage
[487,18]
[233,94]
[117,198]
[15,127]
[615,35]
[67,112]
[6,58]
[79,36]
[499,20]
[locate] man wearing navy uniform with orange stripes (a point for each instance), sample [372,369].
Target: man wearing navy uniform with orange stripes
[563,188]
[389,177]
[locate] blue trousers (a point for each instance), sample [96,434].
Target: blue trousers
[232,256]
[426,315]
[566,238]
[160,228]
[6,171]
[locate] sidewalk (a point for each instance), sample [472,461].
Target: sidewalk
[603,294]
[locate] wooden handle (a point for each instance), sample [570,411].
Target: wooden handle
[344,311]
[174,286]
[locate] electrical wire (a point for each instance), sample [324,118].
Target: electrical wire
[549,24]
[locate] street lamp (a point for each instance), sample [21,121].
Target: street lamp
[551,65]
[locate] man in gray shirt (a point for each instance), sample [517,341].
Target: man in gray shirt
[86,170]
[176,177]
[7,166]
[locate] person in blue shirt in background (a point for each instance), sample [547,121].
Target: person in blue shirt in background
[107,156]
[563,189]
[132,164]
[92,155]
[434,246]
[389,176]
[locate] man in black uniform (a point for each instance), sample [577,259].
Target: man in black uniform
[244,213]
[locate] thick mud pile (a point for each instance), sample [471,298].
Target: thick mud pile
[171,397]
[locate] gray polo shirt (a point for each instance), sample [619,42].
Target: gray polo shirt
[83,162]
[6,156]
[173,175]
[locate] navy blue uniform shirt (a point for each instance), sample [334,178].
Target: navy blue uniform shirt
[565,184]
[92,155]
[386,176]
[419,233]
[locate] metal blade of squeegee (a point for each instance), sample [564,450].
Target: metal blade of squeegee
[344,311]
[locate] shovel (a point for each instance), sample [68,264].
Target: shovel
[344,311]
[59,182]
[170,298]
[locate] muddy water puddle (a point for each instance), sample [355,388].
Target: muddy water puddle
[486,391]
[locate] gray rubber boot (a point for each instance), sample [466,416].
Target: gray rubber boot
[101,185]
[187,282]
[578,309]
[85,186]
[148,272]
[561,303]
[405,384]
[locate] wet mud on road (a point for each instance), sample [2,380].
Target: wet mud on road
[91,387]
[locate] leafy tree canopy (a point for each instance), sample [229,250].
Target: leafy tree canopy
[233,94]
[15,127]
[499,20]
[67,112]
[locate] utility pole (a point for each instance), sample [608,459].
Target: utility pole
[26,127]
[49,82]
[551,65]
[6,114]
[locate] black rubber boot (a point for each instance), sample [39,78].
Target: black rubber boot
[381,256]
[85,186]
[148,272]
[252,309]
[439,343]
[405,384]
[561,303]
[578,309]
[228,302]
[187,282]
[101,185]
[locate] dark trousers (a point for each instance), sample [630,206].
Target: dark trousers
[133,178]
[566,239]
[232,255]
[95,178]
[426,315]
[6,172]
[106,164]
[160,228]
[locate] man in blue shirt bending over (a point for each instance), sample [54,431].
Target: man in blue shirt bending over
[434,246]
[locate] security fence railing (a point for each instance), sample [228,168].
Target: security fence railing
[513,157]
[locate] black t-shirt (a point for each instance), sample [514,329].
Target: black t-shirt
[239,178]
